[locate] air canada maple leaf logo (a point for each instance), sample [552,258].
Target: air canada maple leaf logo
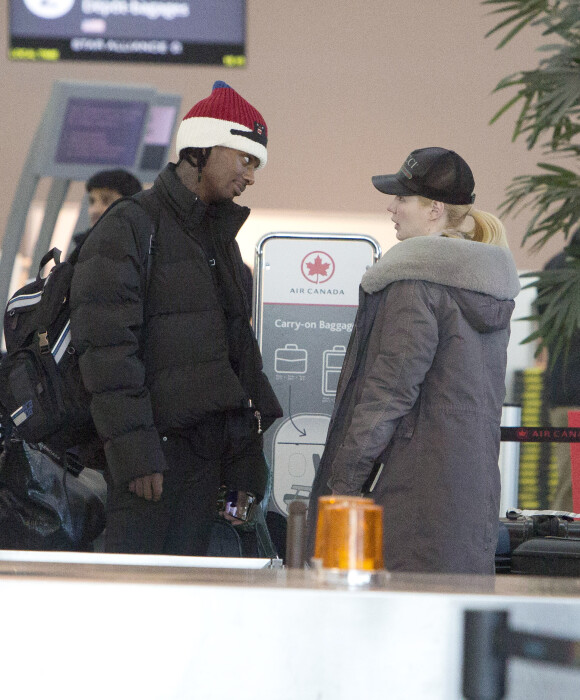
[317,267]
[522,433]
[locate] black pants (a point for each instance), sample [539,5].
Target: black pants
[179,523]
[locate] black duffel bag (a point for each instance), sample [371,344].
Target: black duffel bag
[46,507]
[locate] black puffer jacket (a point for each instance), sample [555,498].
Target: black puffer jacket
[197,354]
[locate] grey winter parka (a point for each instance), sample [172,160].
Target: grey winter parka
[421,393]
[170,373]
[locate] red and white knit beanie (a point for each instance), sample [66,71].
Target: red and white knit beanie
[224,119]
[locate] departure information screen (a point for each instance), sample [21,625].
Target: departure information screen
[173,31]
[101,131]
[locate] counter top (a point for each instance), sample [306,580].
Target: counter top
[262,573]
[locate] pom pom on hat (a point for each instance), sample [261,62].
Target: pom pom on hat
[224,119]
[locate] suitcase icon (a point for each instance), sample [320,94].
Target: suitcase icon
[290,360]
[331,365]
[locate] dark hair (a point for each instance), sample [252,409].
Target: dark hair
[119,181]
[196,157]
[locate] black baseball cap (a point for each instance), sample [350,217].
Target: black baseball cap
[435,173]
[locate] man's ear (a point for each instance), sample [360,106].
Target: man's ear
[187,154]
[189,157]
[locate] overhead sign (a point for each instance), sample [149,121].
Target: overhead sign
[166,31]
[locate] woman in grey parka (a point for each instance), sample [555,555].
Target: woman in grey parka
[418,406]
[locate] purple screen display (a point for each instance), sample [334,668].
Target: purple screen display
[106,132]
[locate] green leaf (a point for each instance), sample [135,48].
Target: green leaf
[505,108]
[523,14]
[548,117]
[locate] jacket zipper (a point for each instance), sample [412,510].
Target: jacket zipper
[257,416]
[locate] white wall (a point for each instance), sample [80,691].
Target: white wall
[347,91]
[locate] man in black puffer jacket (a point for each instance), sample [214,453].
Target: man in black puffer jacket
[179,398]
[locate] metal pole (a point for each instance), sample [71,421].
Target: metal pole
[54,203]
[509,461]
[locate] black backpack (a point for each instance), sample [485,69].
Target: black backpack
[42,396]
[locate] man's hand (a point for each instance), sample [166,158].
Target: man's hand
[233,520]
[149,487]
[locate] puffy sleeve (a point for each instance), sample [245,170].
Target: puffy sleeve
[406,334]
[107,311]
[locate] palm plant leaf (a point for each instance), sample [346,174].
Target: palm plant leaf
[557,308]
[553,196]
[523,14]
[548,99]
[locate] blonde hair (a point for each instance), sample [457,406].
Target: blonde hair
[487,227]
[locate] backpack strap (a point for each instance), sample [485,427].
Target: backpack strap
[74,255]
[148,202]
[151,208]
[53,254]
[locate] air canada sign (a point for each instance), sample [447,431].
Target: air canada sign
[320,272]
[540,434]
[317,267]
[555,434]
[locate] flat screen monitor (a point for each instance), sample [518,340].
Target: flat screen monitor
[96,126]
[172,31]
[104,132]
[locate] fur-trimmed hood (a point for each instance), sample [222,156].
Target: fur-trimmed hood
[454,262]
